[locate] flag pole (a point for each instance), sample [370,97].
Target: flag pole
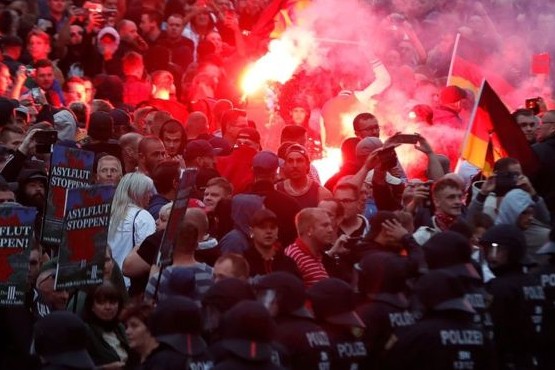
[471,120]
[455,48]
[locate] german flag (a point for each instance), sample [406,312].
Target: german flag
[492,134]
[469,76]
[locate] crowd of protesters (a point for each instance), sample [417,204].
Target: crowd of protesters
[274,266]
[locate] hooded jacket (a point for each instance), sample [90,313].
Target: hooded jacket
[515,202]
[243,206]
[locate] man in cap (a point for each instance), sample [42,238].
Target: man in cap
[199,154]
[450,105]
[264,166]
[47,299]
[176,323]
[247,335]
[297,183]
[519,300]
[250,137]
[445,337]
[265,255]
[333,303]
[31,190]
[385,306]
[308,345]
[544,180]
[61,342]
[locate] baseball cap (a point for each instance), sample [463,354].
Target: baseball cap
[221,146]
[177,322]
[333,301]
[61,338]
[367,146]
[249,133]
[297,148]
[198,148]
[265,162]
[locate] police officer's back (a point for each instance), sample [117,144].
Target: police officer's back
[176,323]
[333,303]
[385,306]
[446,337]
[518,299]
[308,345]
[452,251]
[60,339]
[247,334]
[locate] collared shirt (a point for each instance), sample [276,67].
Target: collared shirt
[310,266]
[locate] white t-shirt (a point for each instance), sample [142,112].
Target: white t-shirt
[123,240]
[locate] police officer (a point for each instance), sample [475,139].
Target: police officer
[546,275]
[176,324]
[248,331]
[60,339]
[333,303]
[308,345]
[446,337]
[451,250]
[385,307]
[518,299]
[220,298]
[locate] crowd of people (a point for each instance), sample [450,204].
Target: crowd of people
[273,265]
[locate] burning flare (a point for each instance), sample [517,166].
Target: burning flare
[281,61]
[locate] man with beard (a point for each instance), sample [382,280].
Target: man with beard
[31,192]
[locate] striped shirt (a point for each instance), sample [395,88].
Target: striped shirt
[311,266]
[203,281]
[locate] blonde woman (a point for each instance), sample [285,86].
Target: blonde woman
[130,223]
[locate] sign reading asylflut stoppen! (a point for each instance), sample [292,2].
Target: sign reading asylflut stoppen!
[84,237]
[70,168]
[16,236]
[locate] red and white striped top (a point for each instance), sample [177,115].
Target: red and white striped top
[310,266]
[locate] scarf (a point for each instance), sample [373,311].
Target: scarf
[444,221]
